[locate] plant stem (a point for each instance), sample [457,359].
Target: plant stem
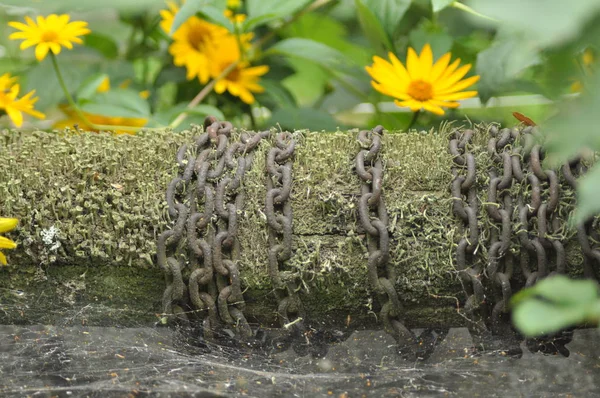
[202,94]
[208,88]
[78,111]
[311,7]
[465,8]
[413,120]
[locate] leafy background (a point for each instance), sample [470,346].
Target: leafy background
[527,52]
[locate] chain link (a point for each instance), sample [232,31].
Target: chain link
[465,206]
[373,218]
[278,209]
[206,199]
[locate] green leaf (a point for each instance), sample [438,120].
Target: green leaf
[439,5]
[588,190]
[197,114]
[42,78]
[275,95]
[60,6]
[215,14]
[303,118]
[187,10]
[109,110]
[104,44]
[120,102]
[89,87]
[373,28]
[503,63]
[389,12]
[553,304]
[574,128]
[276,8]
[546,23]
[311,50]
[428,32]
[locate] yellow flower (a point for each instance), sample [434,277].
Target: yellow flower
[587,68]
[74,120]
[234,18]
[6,224]
[189,42]
[234,4]
[13,106]
[243,80]
[49,34]
[423,84]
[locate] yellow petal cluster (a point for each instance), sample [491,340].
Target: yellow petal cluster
[75,121]
[422,84]
[13,106]
[6,224]
[49,33]
[206,50]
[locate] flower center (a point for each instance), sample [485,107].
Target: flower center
[420,90]
[197,37]
[232,76]
[49,36]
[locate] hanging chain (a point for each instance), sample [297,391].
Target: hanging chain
[586,233]
[465,207]
[278,209]
[373,218]
[206,202]
[500,210]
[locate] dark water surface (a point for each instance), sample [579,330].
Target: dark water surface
[47,361]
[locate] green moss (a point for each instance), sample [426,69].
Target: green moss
[106,196]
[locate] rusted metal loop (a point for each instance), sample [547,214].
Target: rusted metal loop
[272,165]
[553,191]
[470,179]
[392,297]
[286,184]
[536,163]
[457,200]
[287,145]
[218,253]
[494,255]
[360,166]
[364,216]
[478,289]
[376,183]
[270,208]
[202,141]
[506,181]
[473,230]
[172,189]
[457,156]
[465,138]
[177,283]
[492,206]
[504,281]
[217,171]
[516,160]
[568,174]
[541,257]
[536,194]
[505,137]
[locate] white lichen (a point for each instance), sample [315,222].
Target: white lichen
[50,238]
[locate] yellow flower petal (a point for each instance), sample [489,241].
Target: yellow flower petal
[422,84]
[426,62]
[6,243]
[8,224]
[49,33]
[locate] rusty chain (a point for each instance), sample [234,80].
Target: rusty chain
[278,209]
[206,199]
[465,206]
[499,207]
[373,218]
[587,233]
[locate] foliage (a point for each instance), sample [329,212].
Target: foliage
[555,303]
